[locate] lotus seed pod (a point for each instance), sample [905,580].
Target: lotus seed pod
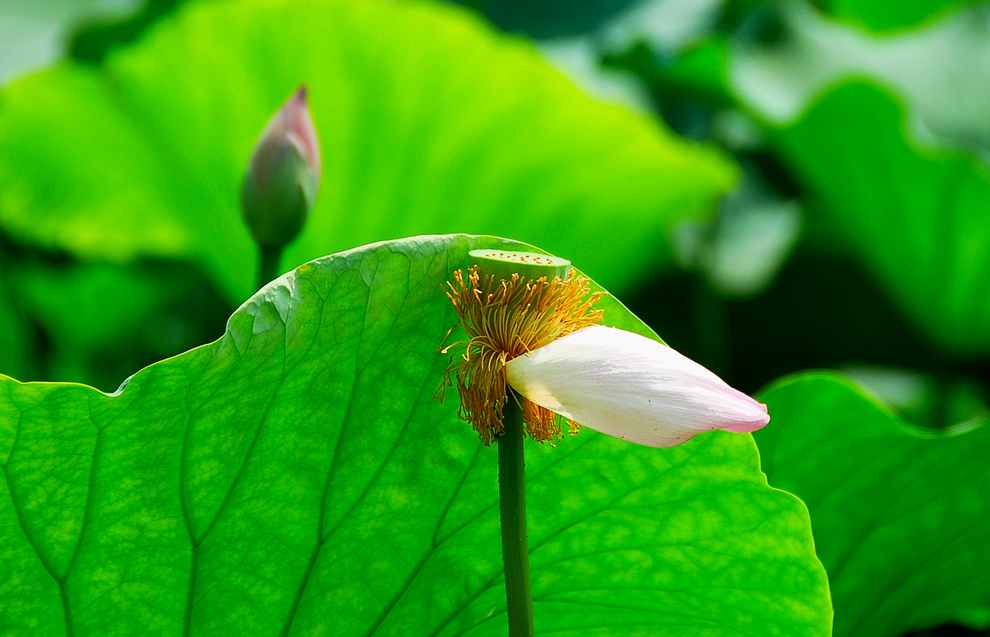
[529,265]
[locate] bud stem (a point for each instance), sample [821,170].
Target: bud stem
[512,512]
[268,259]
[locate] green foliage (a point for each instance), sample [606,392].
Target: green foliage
[101,320]
[891,15]
[741,250]
[922,399]
[14,355]
[548,18]
[878,175]
[297,476]
[94,39]
[900,514]
[428,123]
[31,31]
[915,213]
[930,69]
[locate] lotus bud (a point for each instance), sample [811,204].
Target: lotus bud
[283,176]
[631,387]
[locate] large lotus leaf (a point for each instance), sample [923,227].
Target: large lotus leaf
[916,214]
[900,514]
[428,123]
[297,476]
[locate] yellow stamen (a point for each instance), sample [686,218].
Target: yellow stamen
[504,319]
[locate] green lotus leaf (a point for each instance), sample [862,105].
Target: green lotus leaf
[900,514]
[297,477]
[897,201]
[428,121]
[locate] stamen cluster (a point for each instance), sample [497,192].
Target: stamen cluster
[505,318]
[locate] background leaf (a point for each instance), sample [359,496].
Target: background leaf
[548,18]
[898,202]
[888,15]
[157,310]
[925,400]
[924,67]
[428,123]
[882,144]
[297,476]
[31,33]
[14,357]
[900,514]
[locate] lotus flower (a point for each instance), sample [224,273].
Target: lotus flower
[631,387]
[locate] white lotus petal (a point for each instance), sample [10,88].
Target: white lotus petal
[631,387]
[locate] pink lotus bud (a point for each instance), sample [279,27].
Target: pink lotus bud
[283,177]
[631,387]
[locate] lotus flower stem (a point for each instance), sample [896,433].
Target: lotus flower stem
[281,181]
[268,259]
[537,357]
[512,511]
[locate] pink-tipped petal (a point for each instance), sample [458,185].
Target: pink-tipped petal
[299,125]
[631,387]
[292,124]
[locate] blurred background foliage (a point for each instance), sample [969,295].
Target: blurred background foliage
[143,153]
[772,186]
